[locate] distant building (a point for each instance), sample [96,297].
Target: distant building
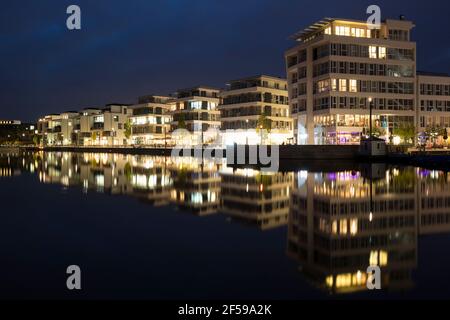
[16,132]
[151,120]
[9,122]
[251,104]
[90,127]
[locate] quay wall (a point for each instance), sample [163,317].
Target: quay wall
[288,152]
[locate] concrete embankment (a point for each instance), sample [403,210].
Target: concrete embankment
[323,152]
[288,152]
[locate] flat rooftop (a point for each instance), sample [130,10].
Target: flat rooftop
[432,74]
[257,77]
[325,22]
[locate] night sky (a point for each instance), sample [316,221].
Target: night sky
[137,47]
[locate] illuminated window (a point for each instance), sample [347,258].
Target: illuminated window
[196,105]
[378,258]
[151,120]
[329,281]
[196,197]
[353,85]
[358,32]
[372,52]
[382,52]
[138,121]
[328,30]
[343,280]
[334,227]
[333,84]
[323,86]
[353,226]
[99,119]
[342,31]
[343,226]
[342,84]
[383,258]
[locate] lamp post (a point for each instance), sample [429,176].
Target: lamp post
[202,135]
[370,117]
[261,130]
[165,139]
[246,131]
[371,198]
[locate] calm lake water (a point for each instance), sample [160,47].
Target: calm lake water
[148,227]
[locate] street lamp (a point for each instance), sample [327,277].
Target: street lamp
[370,117]
[246,131]
[165,139]
[261,129]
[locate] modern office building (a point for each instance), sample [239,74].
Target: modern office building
[251,104]
[196,110]
[433,104]
[151,120]
[340,68]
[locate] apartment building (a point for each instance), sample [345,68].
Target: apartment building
[105,127]
[70,126]
[49,128]
[433,104]
[251,104]
[59,129]
[151,120]
[196,110]
[340,68]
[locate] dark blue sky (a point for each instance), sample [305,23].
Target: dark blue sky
[136,47]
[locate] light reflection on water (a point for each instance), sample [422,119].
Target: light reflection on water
[338,223]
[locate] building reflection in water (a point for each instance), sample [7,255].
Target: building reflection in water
[338,223]
[256,198]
